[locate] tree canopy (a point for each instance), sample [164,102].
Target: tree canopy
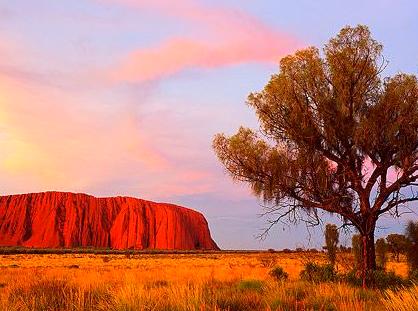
[334,136]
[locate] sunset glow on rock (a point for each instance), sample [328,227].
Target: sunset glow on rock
[56,219]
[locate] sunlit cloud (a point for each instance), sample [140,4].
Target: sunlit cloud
[226,37]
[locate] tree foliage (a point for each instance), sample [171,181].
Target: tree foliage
[357,251]
[411,233]
[331,131]
[397,244]
[381,253]
[331,242]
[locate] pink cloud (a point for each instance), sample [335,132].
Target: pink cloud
[227,37]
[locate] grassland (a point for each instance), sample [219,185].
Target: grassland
[183,281]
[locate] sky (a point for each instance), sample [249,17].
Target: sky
[123,97]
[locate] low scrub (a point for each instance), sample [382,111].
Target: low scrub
[379,278]
[318,273]
[279,274]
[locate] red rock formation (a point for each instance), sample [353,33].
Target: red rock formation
[56,219]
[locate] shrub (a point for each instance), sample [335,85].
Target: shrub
[279,274]
[384,280]
[381,279]
[318,273]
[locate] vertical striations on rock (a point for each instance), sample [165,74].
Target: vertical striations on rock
[61,219]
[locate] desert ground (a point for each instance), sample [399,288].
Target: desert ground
[184,281]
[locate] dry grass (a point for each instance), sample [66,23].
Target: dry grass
[181,282]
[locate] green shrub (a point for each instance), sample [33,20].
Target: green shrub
[389,279]
[279,274]
[318,273]
[353,277]
[381,279]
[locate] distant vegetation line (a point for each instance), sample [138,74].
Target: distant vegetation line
[106,251]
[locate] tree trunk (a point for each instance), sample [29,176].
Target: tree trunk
[369,258]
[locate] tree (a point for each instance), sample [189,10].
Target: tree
[357,250]
[381,249]
[331,242]
[397,244]
[411,233]
[331,131]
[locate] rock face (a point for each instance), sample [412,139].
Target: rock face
[57,219]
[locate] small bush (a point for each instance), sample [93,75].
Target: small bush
[317,273]
[384,280]
[279,274]
[380,278]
